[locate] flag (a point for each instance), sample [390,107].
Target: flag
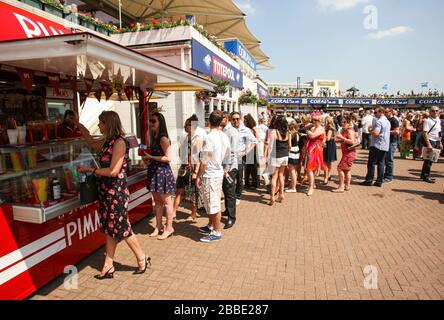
[385,87]
[424,85]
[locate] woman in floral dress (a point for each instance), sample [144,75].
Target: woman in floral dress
[113,191]
[160,176]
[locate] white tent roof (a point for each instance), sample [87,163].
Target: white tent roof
[221,18]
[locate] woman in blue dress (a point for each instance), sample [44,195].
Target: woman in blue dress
[160,176]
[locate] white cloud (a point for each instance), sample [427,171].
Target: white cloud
[393,32]
[246,6]
[339,4]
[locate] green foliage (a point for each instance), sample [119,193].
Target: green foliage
[262,102]
[221,85]
[247,97]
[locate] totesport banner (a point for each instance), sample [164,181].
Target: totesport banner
[17,23]
[236,48]
[262,92]
[207,62]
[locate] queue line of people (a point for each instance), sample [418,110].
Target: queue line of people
[213,163]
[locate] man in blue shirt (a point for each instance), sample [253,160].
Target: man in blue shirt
[379,146]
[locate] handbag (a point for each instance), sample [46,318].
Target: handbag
[89,191]
[184,171]
[431,154]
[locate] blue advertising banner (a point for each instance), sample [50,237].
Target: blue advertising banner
[392,102]
[236,48]
[358,102]
[207,62]
[262,92]
[430,101]
[323,101]
[285,100]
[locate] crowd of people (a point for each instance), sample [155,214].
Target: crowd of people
[234,152]
[333,93]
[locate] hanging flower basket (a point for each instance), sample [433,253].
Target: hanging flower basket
[247,97]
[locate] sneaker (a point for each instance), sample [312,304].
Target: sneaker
[365,183]
[290,190]
[211,238]
[237,202]
[386,180]
[205,229]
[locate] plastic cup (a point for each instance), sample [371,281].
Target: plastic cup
[21,134]
[41,188]
[13,136]
[70,186]
[32,159]
[17,163]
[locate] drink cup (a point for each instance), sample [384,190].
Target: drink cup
[17,162]
[21,134]
[41,188]
[13,136]
[32,159]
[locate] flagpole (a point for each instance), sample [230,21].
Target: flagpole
[120,14]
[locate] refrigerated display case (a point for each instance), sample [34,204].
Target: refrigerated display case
[26,174]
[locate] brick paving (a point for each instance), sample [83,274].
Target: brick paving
[305,248]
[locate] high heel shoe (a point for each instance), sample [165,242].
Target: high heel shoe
[147,262]
[155,233]
[107,275]
[165,235]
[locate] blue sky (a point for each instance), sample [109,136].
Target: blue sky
[326,39]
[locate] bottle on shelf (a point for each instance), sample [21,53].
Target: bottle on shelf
[56,190]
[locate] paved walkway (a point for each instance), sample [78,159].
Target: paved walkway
[304,248]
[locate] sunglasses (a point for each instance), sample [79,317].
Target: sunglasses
[235,119]
[434,110]
[153,121]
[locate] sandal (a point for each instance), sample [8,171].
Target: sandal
[190,219]
[155,233]
[165,235]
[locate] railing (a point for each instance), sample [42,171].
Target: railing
[68,15]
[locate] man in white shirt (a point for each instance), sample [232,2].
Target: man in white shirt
[366,123]
[215,164]
[431,132]
[247,141]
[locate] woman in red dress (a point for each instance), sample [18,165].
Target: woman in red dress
[314,157]
[347,138]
